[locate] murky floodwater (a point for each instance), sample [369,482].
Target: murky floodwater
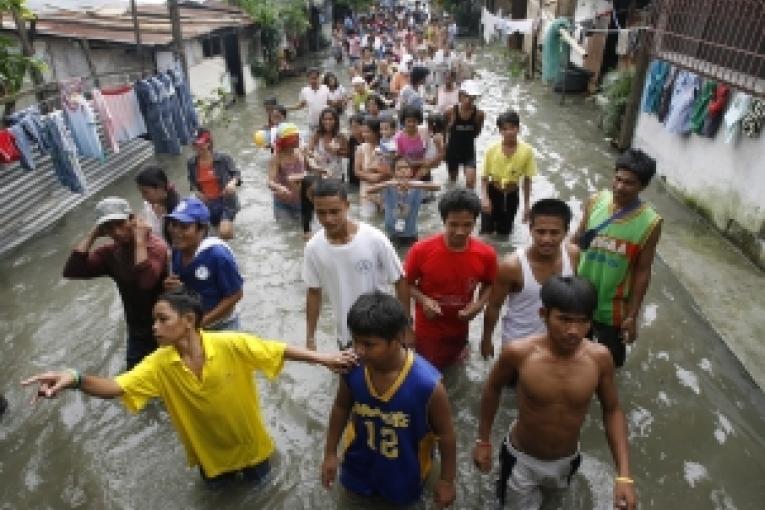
[696,421]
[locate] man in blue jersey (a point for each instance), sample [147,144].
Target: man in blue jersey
[390,410]
[204,264]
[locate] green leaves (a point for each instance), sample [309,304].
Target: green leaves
[14,66]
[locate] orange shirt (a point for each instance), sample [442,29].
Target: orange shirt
[208,182]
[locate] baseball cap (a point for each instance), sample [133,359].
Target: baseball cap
[112,209]
[357,80]
[270,101]
[191,210]
[470,88]
[203,136]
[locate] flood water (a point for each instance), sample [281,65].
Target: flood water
[696,420]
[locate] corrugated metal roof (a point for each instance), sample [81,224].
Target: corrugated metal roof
[197,20]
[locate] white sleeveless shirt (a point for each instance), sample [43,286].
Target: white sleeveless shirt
[522,318]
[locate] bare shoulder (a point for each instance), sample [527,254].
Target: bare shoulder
[516,351]
[600,354]
[509,269]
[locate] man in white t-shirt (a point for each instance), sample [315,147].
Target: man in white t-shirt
[314,95]
[345,259]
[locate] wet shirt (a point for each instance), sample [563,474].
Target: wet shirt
[212,273]
[217,416]
[504,169]
[208,181]
[139,285]
[450,278]
[388,444]
[610,260]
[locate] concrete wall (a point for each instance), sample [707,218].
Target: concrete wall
[725,182]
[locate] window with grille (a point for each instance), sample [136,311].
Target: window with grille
[721,39]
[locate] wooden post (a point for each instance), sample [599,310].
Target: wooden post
[175,22]
[632,109]
[137,32]
[89,59]
[28,51]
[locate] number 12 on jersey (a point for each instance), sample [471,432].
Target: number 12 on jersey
[388,440]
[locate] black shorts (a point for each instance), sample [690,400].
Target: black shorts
[453,164]
[611,337]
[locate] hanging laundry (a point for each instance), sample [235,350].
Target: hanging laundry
[63,152]
[512,26]
[554,50]
[752,122]
[715,111]
[700,106]
[25,127]
[127,118]
[623,41]
[686,88]
[184,97]
[107,122]
[666,95]
[739,106]
[8,151]
[179,119]
[489,23]
[159,122]
[654,84]
[80,119]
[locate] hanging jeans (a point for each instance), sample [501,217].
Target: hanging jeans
[185,100]
[160,130]
[126,114]
[63,152]
[82,123]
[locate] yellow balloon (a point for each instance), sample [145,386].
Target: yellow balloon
[260,138]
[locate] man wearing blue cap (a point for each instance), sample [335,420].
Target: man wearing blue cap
[136,260]
[205,264]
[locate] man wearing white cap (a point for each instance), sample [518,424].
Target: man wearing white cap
[401,78]
[136,260]
[464,122]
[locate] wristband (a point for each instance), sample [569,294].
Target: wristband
[481,442]
[624,479]
[77,378]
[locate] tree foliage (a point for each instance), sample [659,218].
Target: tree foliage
[13,65]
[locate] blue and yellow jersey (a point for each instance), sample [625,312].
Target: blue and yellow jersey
[388,444]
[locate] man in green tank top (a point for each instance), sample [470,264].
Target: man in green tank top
[619,257]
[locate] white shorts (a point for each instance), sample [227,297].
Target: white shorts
[524,479]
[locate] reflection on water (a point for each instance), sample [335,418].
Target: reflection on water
[696,421]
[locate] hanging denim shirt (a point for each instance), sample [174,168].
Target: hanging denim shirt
[80,118]
[179,119]
[185,100]
[159,121]
[63,152]
[687,86]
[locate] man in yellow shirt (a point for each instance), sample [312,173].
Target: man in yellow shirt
[205,381]
[506,163]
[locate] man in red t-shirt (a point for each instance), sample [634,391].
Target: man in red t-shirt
[443,272]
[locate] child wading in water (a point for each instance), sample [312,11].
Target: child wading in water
[401,198]
[393,409]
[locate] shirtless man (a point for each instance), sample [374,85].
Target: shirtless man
[521,274]
[558,373]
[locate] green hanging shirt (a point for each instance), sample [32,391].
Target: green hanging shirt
[611,258]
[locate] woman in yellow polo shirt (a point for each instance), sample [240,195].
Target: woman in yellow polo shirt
[205,380]
[505,164]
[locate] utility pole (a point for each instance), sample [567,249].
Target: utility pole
[175,22]
[632,108]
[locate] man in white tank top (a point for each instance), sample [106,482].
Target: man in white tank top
[521,275]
